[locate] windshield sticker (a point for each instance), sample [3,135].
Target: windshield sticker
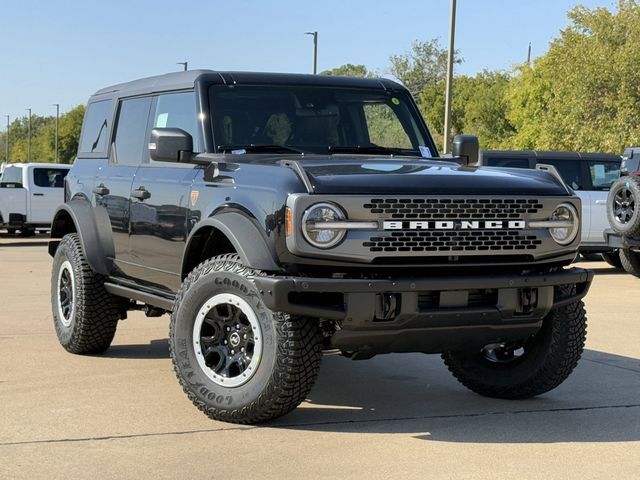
[161,121]
[240,151]
[395,101]
[425,152]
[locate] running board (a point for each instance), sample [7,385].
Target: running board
[145,297]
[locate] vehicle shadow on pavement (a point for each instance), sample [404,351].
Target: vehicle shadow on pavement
[609,271]
[153,350]
[415,394]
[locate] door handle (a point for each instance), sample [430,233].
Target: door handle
[141,193]
[101,190]
[38,194]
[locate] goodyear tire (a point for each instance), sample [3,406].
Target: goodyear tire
[546,359]
[623,207]
[236,360]
[630,261]
[612,257]
[85,315]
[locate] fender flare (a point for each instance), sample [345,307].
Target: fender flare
[94,229]
[247,239]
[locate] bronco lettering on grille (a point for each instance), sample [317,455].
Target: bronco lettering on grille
[453,225]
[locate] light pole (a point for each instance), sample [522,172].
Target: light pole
[184,64]
[29,138]
[57,105]
[447,106]
[315,50]
[6,142]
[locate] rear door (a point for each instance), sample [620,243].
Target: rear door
[46,192]
[602,173]
[114,182]
[159,221]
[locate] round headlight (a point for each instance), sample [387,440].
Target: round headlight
[567,214]
[312,227]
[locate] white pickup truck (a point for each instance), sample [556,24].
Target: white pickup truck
[30,194]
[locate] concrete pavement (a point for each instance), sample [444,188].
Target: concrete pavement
[123,415]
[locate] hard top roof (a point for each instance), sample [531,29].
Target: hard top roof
[186,80]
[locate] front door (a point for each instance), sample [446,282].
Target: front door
[159,218]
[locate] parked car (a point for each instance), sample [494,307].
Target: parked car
[623,211]
[273,215]
[590,175]
[30,194]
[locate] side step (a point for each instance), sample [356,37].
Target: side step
[159,301]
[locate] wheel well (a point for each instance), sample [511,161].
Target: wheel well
[62,224]
[206,243]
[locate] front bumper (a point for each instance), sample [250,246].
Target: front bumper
[426,314]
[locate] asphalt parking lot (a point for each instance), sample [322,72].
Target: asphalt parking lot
[122,414]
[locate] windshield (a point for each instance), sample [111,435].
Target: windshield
[315,119]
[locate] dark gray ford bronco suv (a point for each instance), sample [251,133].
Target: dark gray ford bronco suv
[276,216]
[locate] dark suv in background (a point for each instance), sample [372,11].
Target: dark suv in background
[590,175]
[275,215]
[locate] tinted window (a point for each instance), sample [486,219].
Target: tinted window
[314,119]
[95,127]
[12,175]
[49,177]
[177,110]
[508,162]
[603,174]
[569,170]
[131,130]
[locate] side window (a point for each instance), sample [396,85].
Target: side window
[508,162]
[11,177]
[603,174]
[385,129]
[95,128]
[569,170]
[49,177]
[177,110]
[131,130]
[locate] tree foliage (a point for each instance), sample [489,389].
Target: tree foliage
[348,70]
[43,137]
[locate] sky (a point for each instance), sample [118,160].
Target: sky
[62,51]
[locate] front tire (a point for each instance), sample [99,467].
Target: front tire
[545,360]
[236,360]
[85,315]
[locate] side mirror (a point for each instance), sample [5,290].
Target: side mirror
[467,148]
[170,145]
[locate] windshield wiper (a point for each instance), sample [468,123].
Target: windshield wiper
[371,149]
[253,148]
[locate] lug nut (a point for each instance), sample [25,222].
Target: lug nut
[233,352]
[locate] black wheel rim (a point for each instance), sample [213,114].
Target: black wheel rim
[227,340]
[623,205]
[503,352]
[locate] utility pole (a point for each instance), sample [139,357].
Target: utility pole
[529,55]
[57,105]
[184,64]
[29,138]
[315,50]
[447,107]
[6,142]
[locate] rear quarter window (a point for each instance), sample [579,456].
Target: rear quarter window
[95,129]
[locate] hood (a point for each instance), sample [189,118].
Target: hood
[385,176]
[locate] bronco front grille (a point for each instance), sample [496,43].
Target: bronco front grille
[452,241]
[453,208]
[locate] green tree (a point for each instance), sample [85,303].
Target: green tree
[422,66]
[349,70]
[583,94]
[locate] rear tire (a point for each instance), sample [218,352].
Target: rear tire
[85,315]
[548,358]
[630,261]
[218,311]
[613,258]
